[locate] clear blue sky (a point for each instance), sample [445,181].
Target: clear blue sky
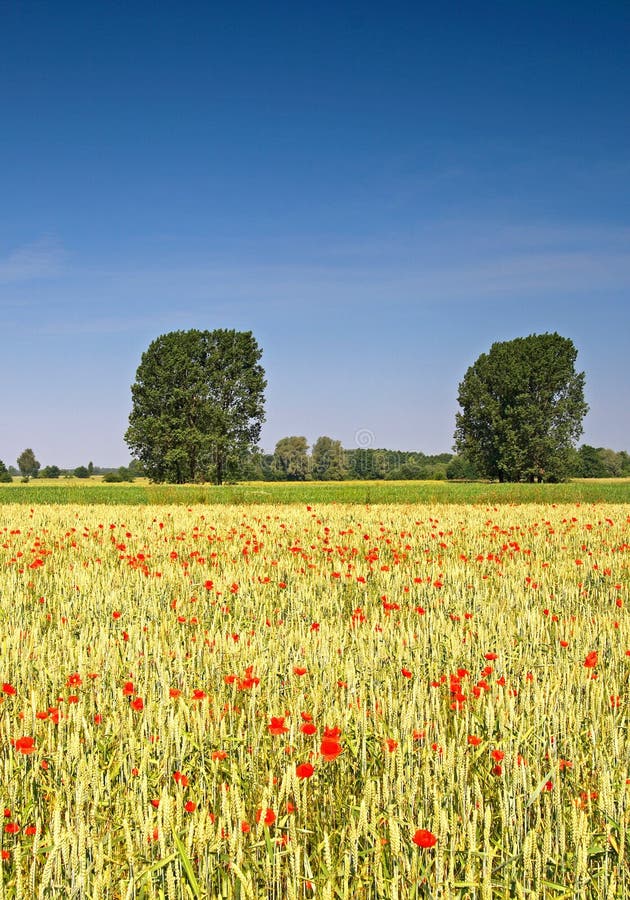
[379,192]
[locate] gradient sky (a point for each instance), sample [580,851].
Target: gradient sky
[379,192]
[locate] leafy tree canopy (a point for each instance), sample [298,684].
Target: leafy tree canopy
[197,404]
[522,406]
[290,458]
[27,463]
[601,462]
[460,468]
[328,462]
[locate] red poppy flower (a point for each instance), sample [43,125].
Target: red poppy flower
[277,726]
[8,688]
[269,817]
[330,749]
[24,745]
[305,770]
[473,740]
[137,703]
[425,839]
[128,689]
[591,659]
[334,732]
[308,728]
[249,681]
[299,670]
[190,806]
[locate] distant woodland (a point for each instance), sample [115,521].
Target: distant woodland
[327,460]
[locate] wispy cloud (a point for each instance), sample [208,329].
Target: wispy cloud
[43,258]
[450,263]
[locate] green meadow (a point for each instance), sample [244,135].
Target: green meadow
[142,492]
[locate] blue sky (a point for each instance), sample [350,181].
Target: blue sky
[378,192]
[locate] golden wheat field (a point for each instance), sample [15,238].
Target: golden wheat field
[296,702]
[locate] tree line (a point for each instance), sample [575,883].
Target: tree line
[28,466]
[329,461]
[198,408]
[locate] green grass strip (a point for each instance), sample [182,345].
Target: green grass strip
[357,492]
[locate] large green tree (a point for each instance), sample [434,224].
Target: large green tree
[522,406]
[290,458]
[328,461]
[27,464]
[198,404]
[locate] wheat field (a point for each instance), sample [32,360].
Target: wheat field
[293,702]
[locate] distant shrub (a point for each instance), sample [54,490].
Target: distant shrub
[81,472]
[112,478]
[50,472]
[122,473]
